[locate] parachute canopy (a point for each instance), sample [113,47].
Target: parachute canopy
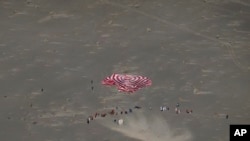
[126,82]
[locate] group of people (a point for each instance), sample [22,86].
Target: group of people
[116,111]
[177,109]
[112,112]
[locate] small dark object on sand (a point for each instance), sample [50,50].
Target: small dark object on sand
[189,111]
[96,114]
[227,116]
[177,111]
[121,112]
[114,120]
[137,107]
[103,115]
[91,81]
[91,117]
[42,90]
[88,120]
[31,105]
[130,110]
[34,122]
[126,112]
[112,112]
[177,105]
[92,88]
[161,108]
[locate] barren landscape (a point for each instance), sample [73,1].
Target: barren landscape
[54,55]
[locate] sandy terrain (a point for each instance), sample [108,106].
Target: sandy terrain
[196,52]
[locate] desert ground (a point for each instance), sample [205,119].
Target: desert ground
[196,52]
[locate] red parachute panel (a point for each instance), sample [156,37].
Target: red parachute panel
[126,82]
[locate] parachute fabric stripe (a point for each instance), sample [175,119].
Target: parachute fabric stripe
[126,82]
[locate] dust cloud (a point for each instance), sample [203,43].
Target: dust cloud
[150,129]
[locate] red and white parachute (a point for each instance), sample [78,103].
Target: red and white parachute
[126,82]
